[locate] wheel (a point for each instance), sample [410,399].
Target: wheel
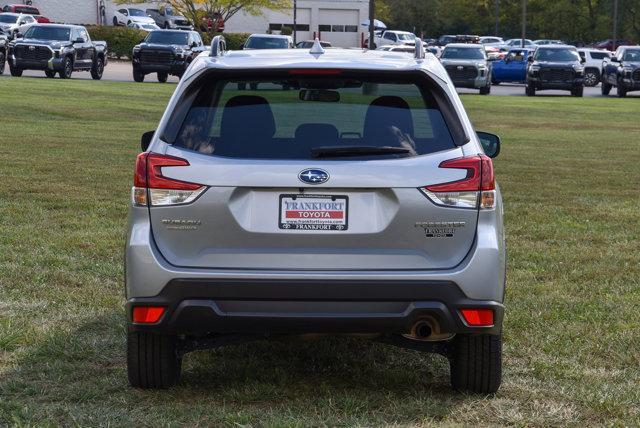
[152,360]
[591,77]
[128,23]
[530,91]
[15,71]
[486,90]
[2,62]
[162,77]
[577,91]
[97,70]
[622,92]
[476,363]
[67,69]
[166,26]
[50,74]
[606,88]
[138,76]
[253,86]
[115,21]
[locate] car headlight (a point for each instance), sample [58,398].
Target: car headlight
[578,69]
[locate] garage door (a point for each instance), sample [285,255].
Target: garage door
[340,27]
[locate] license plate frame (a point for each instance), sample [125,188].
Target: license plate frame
[315,222]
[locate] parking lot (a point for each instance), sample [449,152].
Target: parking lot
[120,71]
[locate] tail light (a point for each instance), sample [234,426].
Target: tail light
[151,188]
[147,314]
[478,317]
[476,190]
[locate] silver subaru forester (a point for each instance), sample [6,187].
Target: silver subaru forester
[344,192]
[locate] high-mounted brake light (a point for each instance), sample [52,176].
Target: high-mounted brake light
[147,314]
[478,317]
[315,71]
[476,190]
[152,188]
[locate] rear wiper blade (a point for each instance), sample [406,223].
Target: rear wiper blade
[337,151]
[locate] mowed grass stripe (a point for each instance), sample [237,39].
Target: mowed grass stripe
[569,175]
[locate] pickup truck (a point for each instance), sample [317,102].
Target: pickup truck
[622,70]
[392,37]
[60,49]
[3,51]
[165,18]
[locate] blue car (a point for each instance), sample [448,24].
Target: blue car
[512,68]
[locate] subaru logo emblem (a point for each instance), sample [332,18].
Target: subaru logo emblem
[460,67]
[314,176]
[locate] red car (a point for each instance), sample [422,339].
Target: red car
[26,9]
[208,23]
[608,44]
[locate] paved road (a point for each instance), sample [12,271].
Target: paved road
[120,71]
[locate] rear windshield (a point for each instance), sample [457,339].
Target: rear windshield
[167,38]
[266,43]
[42,32]
[309,117]
[463,53]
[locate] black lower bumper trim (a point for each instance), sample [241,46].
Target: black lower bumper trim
[203,307]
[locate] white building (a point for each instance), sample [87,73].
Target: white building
[336,21]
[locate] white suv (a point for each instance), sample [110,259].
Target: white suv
[593,64]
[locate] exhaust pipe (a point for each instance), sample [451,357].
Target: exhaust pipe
[422,329]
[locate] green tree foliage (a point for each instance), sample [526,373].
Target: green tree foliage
[569,20]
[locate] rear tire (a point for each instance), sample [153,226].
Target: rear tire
[67,69]
[163,77]
[486,90]
[2,62]
[50,74]
[152,360]
[115,21]
[97,70]
[530,91]
[622,92]
[578,91]
[605,89]
[476,364]
[138,76]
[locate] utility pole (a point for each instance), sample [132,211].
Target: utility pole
[295,22]
[372,17]
[497,30]
[524,21]
[615,24]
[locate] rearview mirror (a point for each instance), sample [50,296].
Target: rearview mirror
[490,143]
[614,59]
[79,40]
[19,35]
[530,58]
[321,95]
[145,141]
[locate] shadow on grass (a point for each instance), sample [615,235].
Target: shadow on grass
[81,372]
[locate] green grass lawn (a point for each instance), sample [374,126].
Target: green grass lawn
[570,175]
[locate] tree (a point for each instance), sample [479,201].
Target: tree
[216,10]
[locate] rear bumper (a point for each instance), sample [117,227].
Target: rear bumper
[212,306]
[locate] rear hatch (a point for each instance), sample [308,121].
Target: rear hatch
[312,173]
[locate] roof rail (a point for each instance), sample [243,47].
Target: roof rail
[218,46]
[419,54]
